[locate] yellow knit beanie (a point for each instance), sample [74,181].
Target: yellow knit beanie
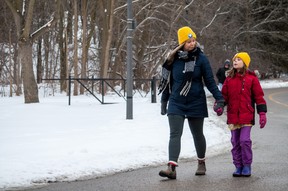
[184,34]
[244,57]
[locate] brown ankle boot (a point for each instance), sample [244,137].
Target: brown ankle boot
[201,170]
[170,172]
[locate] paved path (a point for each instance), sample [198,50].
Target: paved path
[269,169]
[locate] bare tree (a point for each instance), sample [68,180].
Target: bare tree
[23,17]
[223,27]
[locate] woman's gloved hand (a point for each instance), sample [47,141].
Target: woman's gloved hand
[163,108]
[219,107]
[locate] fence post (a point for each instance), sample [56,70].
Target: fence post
[69,90]
[102,90]
[153,90]
[93,84]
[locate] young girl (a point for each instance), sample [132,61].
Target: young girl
[241,90]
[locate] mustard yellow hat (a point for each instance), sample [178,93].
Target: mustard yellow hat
[244,57]
[184,34]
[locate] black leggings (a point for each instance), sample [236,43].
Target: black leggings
[176,123]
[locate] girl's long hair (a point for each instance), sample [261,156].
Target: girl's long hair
[232,72]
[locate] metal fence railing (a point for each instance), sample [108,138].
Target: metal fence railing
[105,82]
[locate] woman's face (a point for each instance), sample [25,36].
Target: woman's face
[238,63]
[190,44]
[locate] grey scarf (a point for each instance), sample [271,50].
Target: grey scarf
[190,60]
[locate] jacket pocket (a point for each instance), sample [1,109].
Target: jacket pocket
[251,109]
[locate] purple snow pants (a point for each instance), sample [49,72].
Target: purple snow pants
[242,146]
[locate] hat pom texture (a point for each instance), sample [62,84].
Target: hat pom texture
[184,34]
[244,57]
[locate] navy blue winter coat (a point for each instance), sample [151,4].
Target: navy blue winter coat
[194,104]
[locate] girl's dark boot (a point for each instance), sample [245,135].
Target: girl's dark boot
[201,169]
[237,172]
[246,171]
[170,172]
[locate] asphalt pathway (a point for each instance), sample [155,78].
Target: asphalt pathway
[269,168]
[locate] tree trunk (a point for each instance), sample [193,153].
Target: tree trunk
[75,56]
[29,83]
[46,55]
[63,54]
[10,60]
[39,62]
[70,23]
[84,44]
[16,71]
[106,37]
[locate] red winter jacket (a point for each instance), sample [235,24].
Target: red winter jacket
[241,93]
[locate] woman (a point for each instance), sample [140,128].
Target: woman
[182,87]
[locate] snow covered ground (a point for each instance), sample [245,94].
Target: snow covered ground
[51,141]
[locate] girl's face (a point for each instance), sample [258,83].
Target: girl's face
[190,44]
[238,63]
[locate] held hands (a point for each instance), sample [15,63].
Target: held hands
[219,107]
[163,108]
[262,119]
